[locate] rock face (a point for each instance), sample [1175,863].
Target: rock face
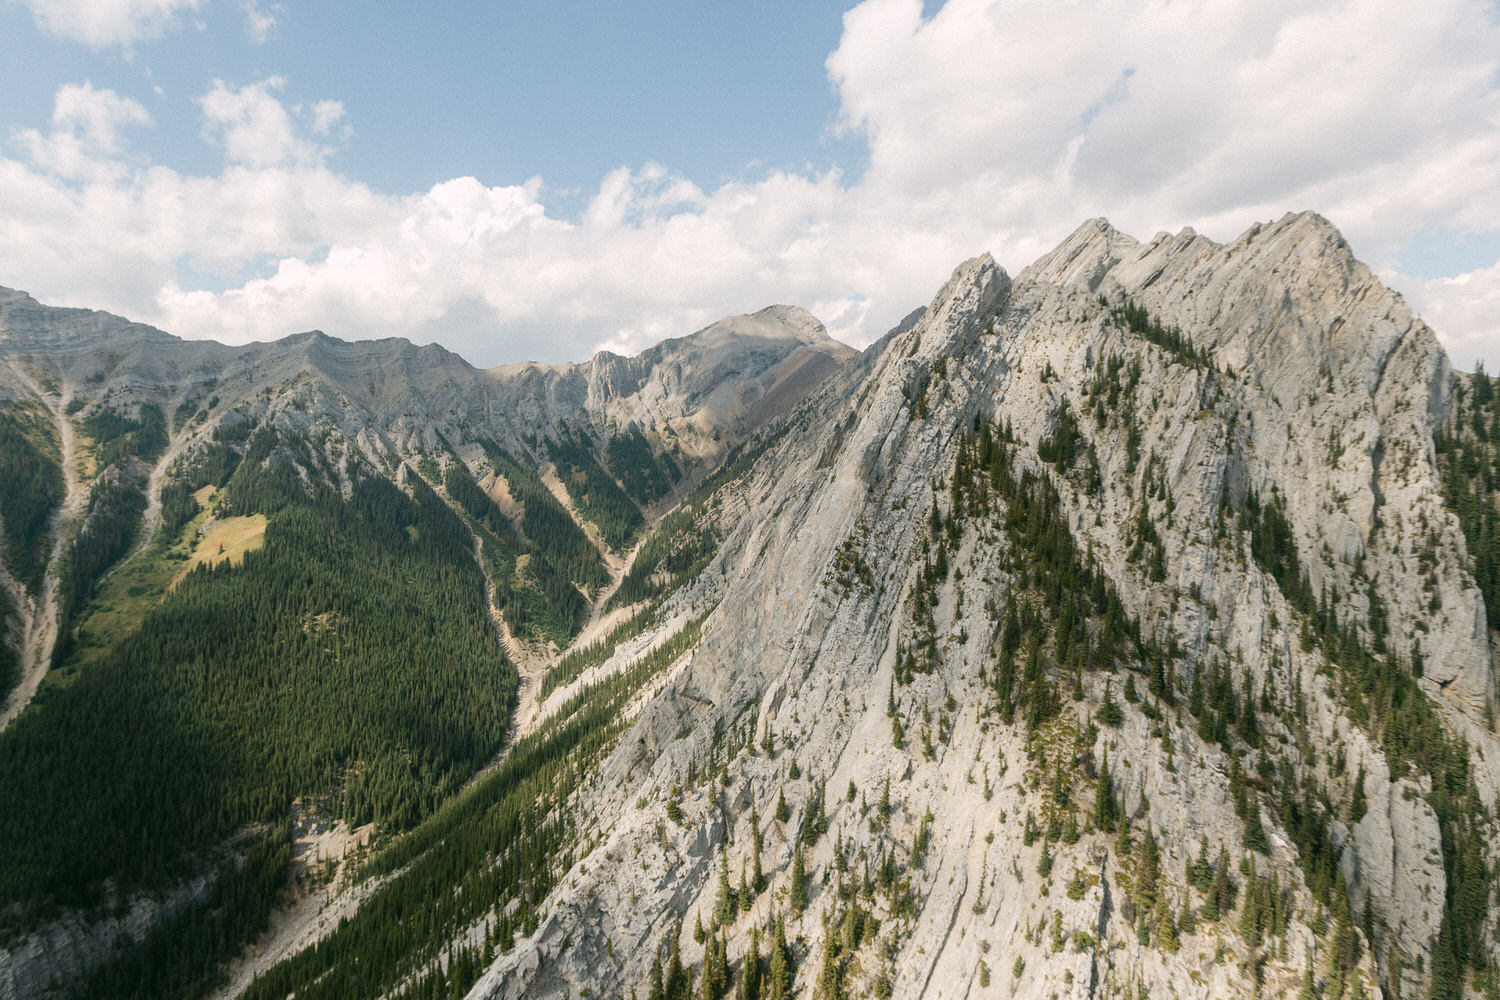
[1105,630]
[1273,373]
[706,390]
[726,379]
[694,397]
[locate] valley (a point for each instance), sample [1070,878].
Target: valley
[1118,628]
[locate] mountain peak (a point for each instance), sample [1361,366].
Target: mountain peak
[773,323]
[1085,257]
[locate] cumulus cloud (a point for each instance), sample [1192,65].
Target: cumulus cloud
[260,22]
[1379,114]
[1466,312]
[104,24]
[255,129]
[991,126]
[86,134]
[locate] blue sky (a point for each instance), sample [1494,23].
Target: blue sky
[567,90]
[545,180]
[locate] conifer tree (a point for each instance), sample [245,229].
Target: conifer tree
[1255,832]
[1044,863]
[778,984]
[830,985]
[798,893]
[1223,891]
[507,933]
[715,981]
[676,984]
[757,875]
[1166,930]
[1308,991]
[1110,713]
[725,905]
[750,977]
[1106,811]
[1357,804]
[1210,909]
[656,991]
[745,896]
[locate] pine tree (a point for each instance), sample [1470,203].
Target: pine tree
[1166,930]
[677,985]
[1210,909]
[655,991]
[1223,890]
[1255,832]
[1357,804]
[811,816]
[507,933]
[1106,811]
[725,905]
[757,875]
[1110,713]
[923,839]
[778,985]
[830,985]
[751,975]
[715,969]
[783,813]
[1447,971]
[1309,990]
[1044,863]
[798,893]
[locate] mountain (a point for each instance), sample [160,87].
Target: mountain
[1119,628]
[251,588]
[1114,630]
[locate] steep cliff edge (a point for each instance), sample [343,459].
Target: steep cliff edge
[525,490]
[1085,577]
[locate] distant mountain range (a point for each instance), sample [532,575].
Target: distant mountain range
[1120,628]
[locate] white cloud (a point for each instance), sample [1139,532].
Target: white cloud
[990,125]
[255,129]
[85,138]
[104,24]
[1466,311]
[260,22]
[324,115]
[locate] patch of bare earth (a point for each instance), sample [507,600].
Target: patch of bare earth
[319,893]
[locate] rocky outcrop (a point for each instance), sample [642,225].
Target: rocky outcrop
[394,401]
[698,394]
[1313,389]
[1229,451]
[47,961]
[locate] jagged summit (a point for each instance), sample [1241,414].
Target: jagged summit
[774,323]
[1084,257]
[1097,251]
[1272,373]
[1117,628]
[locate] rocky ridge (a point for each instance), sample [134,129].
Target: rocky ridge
[1314,391]
[390,403]
[1106,630]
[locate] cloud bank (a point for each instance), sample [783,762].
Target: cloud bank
[105,24]
[990,126]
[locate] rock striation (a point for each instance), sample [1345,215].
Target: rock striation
[1109,629]
[1275,371]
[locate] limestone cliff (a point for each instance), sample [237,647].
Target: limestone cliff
[1239,440]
